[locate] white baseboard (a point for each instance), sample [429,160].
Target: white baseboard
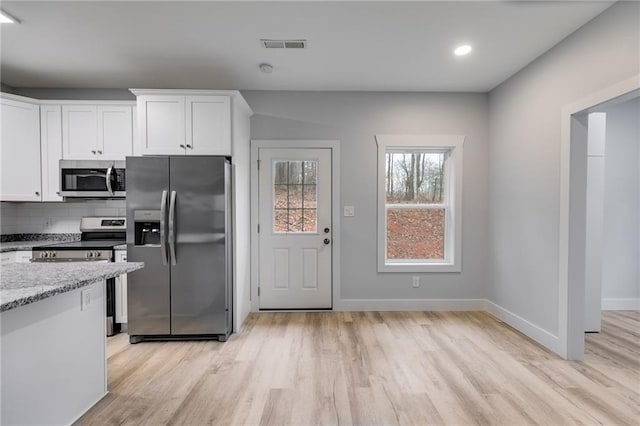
[630,304]
[540,335]
[410,305]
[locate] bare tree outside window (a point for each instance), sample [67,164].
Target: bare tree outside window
[414,188]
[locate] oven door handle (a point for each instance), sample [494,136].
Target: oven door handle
[163,226]
[108,179]
[172,228]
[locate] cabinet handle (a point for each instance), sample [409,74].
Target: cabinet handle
[93,151]
[37,193]
[189,146]
[181,145]
[99,152]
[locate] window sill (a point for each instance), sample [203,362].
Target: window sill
[420,267]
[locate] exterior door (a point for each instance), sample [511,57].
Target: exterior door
[295,231]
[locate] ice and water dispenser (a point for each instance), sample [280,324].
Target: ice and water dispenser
[147,227]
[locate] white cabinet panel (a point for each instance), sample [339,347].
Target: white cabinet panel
[80,132]
[23,256]
[20,178]
[115,132]
[121,290]
[97,132]
[7,257]
[162,124]
[208,125]
[50,150]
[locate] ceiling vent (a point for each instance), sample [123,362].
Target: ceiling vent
[284,44]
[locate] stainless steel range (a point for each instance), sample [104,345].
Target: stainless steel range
[99,237]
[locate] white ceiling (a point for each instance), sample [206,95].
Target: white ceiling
[387,46]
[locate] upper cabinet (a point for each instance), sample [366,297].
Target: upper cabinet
[50,150]
[20,178]
[184,122]
[101,132]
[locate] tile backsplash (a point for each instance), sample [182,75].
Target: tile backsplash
[30,218]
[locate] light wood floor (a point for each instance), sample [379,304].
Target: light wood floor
[381,368]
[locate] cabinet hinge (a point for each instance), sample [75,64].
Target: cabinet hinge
[258,291]
[258,228]
[259,164]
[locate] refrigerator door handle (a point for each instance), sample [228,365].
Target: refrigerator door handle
[163,225]
[172,231]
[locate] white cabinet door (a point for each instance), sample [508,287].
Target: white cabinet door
[121,290]
[20,178]
[208,125]
[79,132]
[50,150]
[7,257]
[23,256]
[115,132]
[162,124]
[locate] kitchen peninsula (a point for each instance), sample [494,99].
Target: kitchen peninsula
[53,347]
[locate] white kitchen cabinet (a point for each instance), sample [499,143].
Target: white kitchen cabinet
[121,290]
[7,257]
[23,256]
[115,132]
[161,123]
[50,150]
[20,175]
[97,132]
[184,122]
[208,125]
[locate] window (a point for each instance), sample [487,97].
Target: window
[419,203]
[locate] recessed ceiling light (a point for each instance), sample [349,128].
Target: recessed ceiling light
[266,68]
[462,50]
[5,18]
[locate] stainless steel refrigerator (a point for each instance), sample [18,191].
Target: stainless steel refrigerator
[179,224]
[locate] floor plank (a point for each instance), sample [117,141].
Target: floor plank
[374,368]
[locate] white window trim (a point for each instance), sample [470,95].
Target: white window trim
[453,233]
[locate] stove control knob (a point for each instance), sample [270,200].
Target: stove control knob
[43,254]
[88,254]
[98,254]
[52,254]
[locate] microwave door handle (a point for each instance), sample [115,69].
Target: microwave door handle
[163,215]
[172,228]
[108,179]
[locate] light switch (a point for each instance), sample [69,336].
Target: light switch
[349,211]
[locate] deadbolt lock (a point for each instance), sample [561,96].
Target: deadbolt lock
[327,241]
[326,230]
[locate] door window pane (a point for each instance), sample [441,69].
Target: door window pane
[294,196]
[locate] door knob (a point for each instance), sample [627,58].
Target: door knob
[326,241]
[326,230]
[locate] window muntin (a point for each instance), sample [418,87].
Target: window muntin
[419,203]
[294,196]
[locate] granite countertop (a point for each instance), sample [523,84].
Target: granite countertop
[25,283]
[20,242]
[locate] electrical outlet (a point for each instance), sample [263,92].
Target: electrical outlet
[416,281]
[349,211]
[85,299]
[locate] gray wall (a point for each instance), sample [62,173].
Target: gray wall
[621,196]
[355,118]
[524,168]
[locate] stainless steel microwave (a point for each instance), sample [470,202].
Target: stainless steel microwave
[92,179]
